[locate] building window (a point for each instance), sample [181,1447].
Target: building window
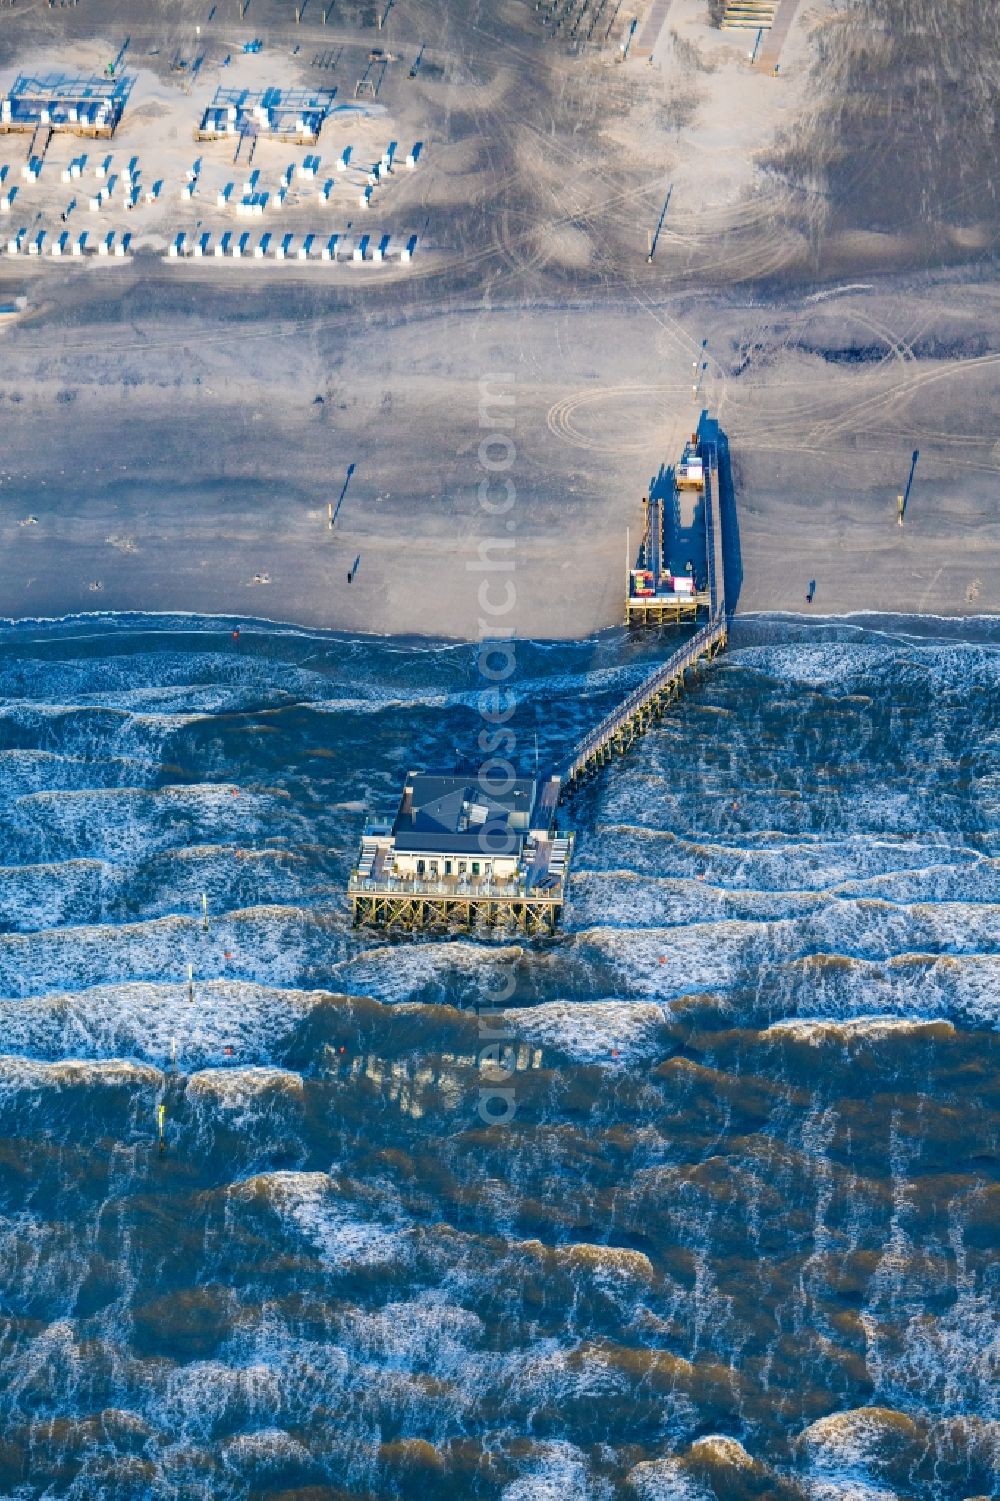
[447,867]
[421,867]
[475,867]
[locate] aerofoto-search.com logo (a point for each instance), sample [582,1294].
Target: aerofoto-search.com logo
[496,598]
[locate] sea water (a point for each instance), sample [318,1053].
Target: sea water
[735,1234]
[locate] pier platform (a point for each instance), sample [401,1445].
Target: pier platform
[669,582]
[459,855]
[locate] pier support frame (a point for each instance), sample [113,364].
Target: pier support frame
[410,913]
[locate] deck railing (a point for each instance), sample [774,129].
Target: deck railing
[684,657]
[458,888]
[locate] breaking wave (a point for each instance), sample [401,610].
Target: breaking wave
[736,1237]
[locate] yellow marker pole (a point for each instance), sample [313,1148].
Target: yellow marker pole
[161,1117]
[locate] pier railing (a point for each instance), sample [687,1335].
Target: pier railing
[618,729]
[459,888]
[704,644]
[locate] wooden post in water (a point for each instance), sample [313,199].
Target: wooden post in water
[191,983]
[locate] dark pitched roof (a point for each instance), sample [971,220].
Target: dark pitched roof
[455,813]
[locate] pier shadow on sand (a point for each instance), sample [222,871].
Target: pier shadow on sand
[732,558]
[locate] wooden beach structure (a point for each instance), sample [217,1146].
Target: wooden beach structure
[669,582]
[459,854]
[293,115]
[85,105]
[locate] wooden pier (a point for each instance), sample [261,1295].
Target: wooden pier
[622,727]
[430,866]
[619,730]
[536,915]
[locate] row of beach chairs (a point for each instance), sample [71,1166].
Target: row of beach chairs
[40,242]
[311,247]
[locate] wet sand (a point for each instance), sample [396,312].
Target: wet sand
[177,433]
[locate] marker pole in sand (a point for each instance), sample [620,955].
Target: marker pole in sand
[904,499]
[191,983]
[161,1117]
[329,514]
[204,911]
[653,235]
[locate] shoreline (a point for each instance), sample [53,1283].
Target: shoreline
[971,629]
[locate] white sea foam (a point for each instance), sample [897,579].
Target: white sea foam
[428,971]
[310,1205]
[605,1031]
[425,1333]
[851,1028]
[280,946]
[265,1449]
[49,896]
[857,1438]
[242,1096]
[796,968]
[665,1480]
[129,824]
[195,1398]
[26,1076]
[827,664]
[557,1470]
[847,1488]
[156,1023]
[720,1449]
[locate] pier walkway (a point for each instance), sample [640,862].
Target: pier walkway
[460,853]
[619,729]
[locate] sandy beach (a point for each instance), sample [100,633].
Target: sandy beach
[177,432]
